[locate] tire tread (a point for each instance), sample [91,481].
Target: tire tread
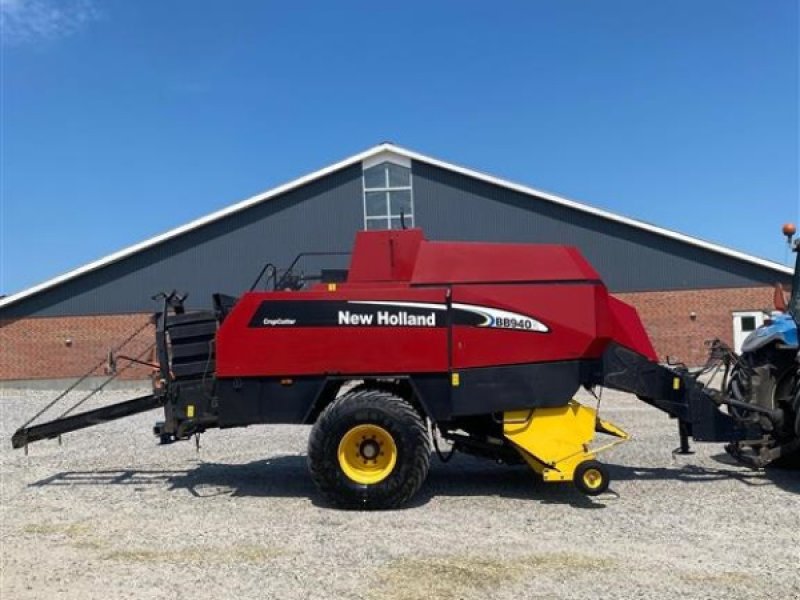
[322,469]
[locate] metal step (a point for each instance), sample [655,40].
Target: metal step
[191,318]
[199,330]
[192,350]
[193,369]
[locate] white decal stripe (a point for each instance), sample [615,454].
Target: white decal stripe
[402,304]
[493,314]
[478,310]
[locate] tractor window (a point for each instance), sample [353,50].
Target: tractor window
[388,195]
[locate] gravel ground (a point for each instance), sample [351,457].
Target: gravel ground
[109,514]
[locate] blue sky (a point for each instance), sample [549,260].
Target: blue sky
[123,119]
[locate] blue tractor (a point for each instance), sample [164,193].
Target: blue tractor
[766,377]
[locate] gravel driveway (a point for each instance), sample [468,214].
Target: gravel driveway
[109,514]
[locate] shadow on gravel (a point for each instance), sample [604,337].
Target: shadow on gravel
[785,479]
[784,475]
[287,476]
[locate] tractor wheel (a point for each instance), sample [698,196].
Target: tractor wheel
[591,478]
[797,404]
[369,450]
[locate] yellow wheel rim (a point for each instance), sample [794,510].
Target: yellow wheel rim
[367,454]
[592,479]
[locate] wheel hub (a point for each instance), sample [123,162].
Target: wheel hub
[592,478]
[369,449]
[367,454]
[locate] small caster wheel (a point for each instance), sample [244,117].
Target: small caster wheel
[591,478]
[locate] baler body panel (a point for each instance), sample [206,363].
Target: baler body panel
[499,326]
[474,262]
[489,390]
[627,329]
[385,256]
[410,306]
[289,334]
[568,315]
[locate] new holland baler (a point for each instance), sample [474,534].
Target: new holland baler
[483,345]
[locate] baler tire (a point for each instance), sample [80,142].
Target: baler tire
[583,482]
[383,412]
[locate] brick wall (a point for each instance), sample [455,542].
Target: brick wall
[53,348]
[667,316]
[38,348]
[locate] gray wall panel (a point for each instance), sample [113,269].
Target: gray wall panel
[324,215]
[452,206]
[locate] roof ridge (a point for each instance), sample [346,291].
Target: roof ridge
[359,157]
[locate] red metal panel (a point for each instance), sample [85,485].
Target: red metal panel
[384,255]
[628,329]
[569,312]
[461,262]
[245,351]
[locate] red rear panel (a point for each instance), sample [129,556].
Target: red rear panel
[525,324]
[628,329]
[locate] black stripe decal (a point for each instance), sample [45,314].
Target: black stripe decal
[341,313]
[387,313]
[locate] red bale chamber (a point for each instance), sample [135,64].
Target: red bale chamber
[414,306]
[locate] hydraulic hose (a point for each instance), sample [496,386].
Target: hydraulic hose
[736,392]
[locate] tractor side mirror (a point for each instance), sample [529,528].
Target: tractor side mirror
[779,298]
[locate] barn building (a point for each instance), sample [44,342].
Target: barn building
[686,290]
